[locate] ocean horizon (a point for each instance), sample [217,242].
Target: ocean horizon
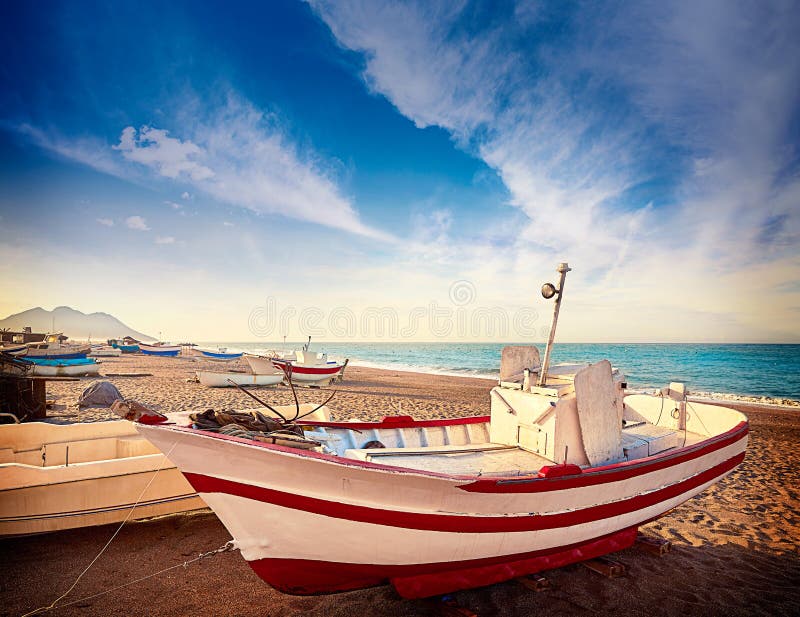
[745,369]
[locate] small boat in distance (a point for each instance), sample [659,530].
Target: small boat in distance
[223,379]
[219,354]
[159,349]
[105,352]
[53,348]
[564,469]
[308,367]
[123,346]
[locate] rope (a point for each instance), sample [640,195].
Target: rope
[228,546]
[52,605]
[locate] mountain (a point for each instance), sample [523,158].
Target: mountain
[76,325]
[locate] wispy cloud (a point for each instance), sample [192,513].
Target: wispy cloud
[173,205]
[106,222]
[89,151]
[137,222]
[227,224]
[699,98]
[228,150]
[165,240]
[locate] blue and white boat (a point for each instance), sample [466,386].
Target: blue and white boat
[118,344]
[69,367]
[159,349]
[219,354]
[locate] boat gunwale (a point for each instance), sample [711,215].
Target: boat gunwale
[503,484]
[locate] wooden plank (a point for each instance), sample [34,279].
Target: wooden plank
[606,567]
[652,545]
[534,582]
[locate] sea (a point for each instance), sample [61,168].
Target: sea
[756,370]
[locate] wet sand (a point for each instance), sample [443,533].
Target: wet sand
[736,547]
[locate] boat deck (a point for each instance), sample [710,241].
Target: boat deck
[472,459]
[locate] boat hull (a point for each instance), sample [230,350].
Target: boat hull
[427,532]
[300,373]
[223,380]
[63,477]
[218,355]
[64,367]
[156,350]
[57,354]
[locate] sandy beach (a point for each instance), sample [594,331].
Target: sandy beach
[736,547]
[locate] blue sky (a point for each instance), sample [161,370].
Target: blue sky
[183,167]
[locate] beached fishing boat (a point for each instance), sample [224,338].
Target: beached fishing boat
[69,367]
[105,352]
[223,379]
[159,349]
[55,477]
[123,346]
[54,351]
[308,368]
[566,468]
[12,348]
[219,354]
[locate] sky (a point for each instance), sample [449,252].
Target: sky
[405,171]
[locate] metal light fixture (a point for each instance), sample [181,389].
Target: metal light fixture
[548,291]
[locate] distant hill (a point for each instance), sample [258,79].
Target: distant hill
[76,325]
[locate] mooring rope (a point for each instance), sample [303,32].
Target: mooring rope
[52,605]
[228,546]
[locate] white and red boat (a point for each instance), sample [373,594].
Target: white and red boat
[560,472]
[457,503]
[308,367]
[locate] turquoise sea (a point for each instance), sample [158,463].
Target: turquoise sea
[755,370]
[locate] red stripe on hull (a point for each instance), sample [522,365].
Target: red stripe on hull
[609,473]
[532,484]
[456,523]
[308,370]
[309,577]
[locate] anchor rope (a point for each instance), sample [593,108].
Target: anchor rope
[52,605]
[228,546]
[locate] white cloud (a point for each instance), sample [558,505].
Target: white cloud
[165,240]
[137,222]
[185,195]
[173,205]
[169,156]
[227,224]
[714,78]
[106,222]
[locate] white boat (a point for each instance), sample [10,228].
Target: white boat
[563,470]
[105,352]
[51,348]
[308,367]
[77,367]
[55,477]
[214,379]
[159,349]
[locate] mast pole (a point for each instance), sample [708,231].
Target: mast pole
[562,269]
